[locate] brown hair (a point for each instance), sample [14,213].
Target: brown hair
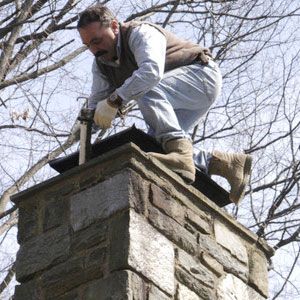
[96,13]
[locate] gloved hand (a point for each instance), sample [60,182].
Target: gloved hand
[104,114]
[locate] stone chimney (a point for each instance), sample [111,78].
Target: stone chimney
[122,226]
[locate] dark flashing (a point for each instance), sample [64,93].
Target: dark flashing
[147,144]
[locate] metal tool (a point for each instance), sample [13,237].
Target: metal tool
[86,121]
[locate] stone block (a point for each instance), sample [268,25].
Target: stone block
[155,294]
[55,213]
[28,221]
[29,291]
[173,231]
[212,264]
[199,221]
[42,251]
[167,204]
[63,277]
[72,295]
[139,193]
[221,255]
[258,272]
[230,241]
[74,272]
[100,201]
[195,268]
[151,254]
[194,284]
[138,246]
[232,288]
[121,285]
[183,293]
[96,234]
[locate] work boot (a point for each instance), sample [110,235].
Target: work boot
[236,168]
[179,158]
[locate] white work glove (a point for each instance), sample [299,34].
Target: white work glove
[104,114]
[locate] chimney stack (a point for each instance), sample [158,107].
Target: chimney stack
[122,226]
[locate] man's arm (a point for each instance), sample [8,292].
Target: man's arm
[148,46]
[101,88]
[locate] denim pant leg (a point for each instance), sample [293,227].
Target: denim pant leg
[179,101]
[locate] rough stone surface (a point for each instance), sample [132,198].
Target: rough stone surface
[230,263]
[194,268]
[28,222]
[211,263]
[167,204]
[173,231]
[200,222]
[42,251]
[100,201]
[194,284]
[95,234]
[55,213]
[122,285]
[232,288]
[155,294]
[230,241]
[258,271]
[151,254]
[183,293]
[28,291]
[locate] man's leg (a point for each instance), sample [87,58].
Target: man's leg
[171,110]
[174,106]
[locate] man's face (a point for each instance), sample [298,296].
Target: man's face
[101,40]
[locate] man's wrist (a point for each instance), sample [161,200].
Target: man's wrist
[114,100]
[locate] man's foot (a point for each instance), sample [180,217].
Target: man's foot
[236,168]
[179,158]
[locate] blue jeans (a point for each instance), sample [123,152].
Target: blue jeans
[179,101]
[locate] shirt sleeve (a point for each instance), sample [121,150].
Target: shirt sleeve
[148,46]
[101,88]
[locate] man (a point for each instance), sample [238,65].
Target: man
[173,81]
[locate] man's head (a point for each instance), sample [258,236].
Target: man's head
[98,29]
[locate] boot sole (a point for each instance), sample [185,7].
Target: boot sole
[247,172]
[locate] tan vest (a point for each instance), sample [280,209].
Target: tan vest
[178,53]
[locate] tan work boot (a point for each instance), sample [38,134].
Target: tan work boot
[179,158]
[236,168]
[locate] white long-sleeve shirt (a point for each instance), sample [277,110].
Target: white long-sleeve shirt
[148,46]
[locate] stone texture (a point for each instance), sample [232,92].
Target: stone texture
[232,288]
[167,204]
[230,241]
[95,234]
[211,263]
[173,231]
[28,222]
[63,277]
[258,271]
[78,270]
[183,293]
[151,254]
[194,284]
[221,255]
[100,201]
[194,268]
[42,251]
[55,213]
[199,221]
[72,295]
[155,294]
[121,285]
[29,291]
